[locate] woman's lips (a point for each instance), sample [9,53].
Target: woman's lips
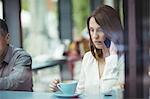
[98,42]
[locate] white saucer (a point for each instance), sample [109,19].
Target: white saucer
[60,94]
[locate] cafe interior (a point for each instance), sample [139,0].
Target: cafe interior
[54,33]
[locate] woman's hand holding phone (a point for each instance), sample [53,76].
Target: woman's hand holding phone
[113,49]
[105,51]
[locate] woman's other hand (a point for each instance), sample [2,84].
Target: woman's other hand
[53,85]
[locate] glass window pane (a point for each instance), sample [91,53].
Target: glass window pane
[39,25]
[39,20]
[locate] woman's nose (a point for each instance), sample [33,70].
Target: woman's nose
[98,35]
[95,34]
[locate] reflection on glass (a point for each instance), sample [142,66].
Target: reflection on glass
[149,71]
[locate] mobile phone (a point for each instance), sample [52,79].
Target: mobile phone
[107,42]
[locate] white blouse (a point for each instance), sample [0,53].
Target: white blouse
[89,81]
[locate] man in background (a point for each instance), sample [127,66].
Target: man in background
[15,64]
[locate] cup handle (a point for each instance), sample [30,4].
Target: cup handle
[59,87]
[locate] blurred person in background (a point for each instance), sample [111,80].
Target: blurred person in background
[73,55]
[15,64]
[103,66]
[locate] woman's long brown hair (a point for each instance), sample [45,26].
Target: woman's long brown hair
[108,19]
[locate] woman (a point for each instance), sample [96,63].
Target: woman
[103,66]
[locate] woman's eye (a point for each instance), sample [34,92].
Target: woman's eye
[99,30]
[92,30]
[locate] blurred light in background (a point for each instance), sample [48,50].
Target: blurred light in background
[1,10]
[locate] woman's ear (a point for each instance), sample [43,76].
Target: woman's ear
[7,38]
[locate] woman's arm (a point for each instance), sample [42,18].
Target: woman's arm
[81,83]
[110,75]
[121,78]
[114,73]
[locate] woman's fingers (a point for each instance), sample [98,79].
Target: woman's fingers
[53,85]
[109,51]
[105,50]
[113,49]
[53,89]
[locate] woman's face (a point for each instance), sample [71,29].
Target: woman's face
[96,33]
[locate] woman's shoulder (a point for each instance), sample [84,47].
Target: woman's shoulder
[88,54]
[88,57]
[88,60]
